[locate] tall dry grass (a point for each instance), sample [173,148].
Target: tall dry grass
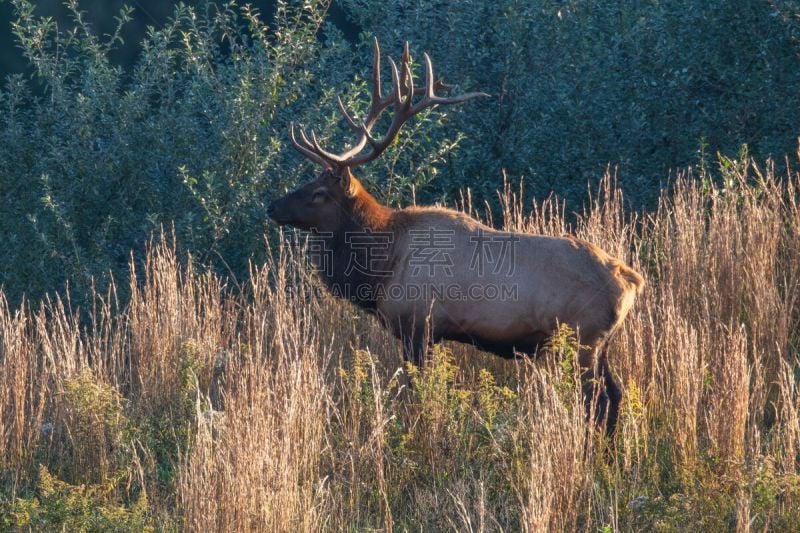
[274,407]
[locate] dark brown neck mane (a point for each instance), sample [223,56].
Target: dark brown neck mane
[360,252]
[368,213]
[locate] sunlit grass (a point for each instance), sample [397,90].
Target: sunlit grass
[278,408]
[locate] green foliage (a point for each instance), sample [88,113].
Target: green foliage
[193,135]
[101,434]
[455,430]
[108,452]
[708,501]
[99,458]
[439,400]
[442,429]
[493,400]
[59,506]
[166,428]
[579,85]
[563,346]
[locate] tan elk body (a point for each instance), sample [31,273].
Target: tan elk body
[552,280]
[432,273]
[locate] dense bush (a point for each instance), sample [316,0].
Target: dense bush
[581,84]
[193,136]
[96,156]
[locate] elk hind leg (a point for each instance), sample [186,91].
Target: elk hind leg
[613,392]
[595,396]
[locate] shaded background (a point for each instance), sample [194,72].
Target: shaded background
[184,125]
[102,13]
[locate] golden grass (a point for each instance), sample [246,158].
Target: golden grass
[282,409]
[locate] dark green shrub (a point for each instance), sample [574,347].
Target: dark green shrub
[580,85]
[193,135]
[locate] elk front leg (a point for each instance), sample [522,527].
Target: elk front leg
[414,349]
[413,335]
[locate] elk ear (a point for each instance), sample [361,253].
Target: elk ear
[347,182]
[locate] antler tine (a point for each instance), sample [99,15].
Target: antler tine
[306,150]
[404,63]
[352,123]
[378,103]
[305,140]
[402,96]
[314,142]
[313,145]
[312,149]
[333,158]
[410,79]
[368,135]
[432,99]
[376,73]
[429,79]
[396,92]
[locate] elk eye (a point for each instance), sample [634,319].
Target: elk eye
[318,197]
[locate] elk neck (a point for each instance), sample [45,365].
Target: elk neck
[361,250]
[367,213]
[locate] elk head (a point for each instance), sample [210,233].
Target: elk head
[328,202]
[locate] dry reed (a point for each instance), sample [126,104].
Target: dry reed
[278,408]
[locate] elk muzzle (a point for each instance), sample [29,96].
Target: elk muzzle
[277,212]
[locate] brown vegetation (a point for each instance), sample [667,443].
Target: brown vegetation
[279,409]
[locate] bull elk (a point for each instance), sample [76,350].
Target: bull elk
[428,293]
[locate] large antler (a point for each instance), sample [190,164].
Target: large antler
[402,96]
